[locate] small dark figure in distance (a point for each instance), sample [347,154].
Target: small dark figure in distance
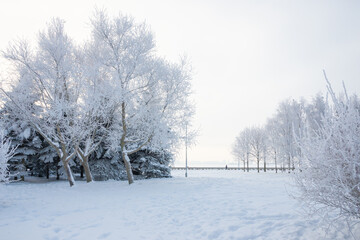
[225,167]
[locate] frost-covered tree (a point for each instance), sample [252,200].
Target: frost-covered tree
[241,147]
[329,173]
[97,112]
[46,89]
[287,123]
[238,152]
[56,91]
[149,95]
[273,140]
[265,147]
[315,112]
[257,144]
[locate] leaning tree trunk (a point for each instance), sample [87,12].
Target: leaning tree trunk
[65,158]
[84,159]
[62,153]
[65,161]
[124,153]
[68,172]
[127,163]
[85,164]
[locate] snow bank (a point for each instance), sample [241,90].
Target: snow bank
[206,205]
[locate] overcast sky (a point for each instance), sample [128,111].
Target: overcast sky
[247,56]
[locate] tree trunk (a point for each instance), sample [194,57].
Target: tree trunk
[244,165]
[84,160]
[124,154]
[128,167]
[57,173]
[85,165]
[68,172]
[47,171]
[275,163]
[289,164]
[247,161]
[264,163]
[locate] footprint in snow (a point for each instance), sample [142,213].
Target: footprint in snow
[233,228]
[104,235]
[215,234]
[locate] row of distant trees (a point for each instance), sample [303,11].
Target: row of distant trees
[275,143]
[112,91]
[320,140]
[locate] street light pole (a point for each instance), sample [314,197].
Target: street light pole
[186,165]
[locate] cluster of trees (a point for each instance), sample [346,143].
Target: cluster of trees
[276,141]
[320,140]
[111,97]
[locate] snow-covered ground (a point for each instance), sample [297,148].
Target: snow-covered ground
[215,204]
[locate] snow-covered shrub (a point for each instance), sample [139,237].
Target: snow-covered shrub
[32,152]
[28,145]
[152,165]
[145,164]
[108,167]
[6,153]
[329,174]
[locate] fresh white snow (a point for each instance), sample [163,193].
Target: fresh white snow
[214,204]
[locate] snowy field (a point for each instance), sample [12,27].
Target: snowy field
[214,204]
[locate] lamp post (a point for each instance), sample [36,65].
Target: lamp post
[186,165]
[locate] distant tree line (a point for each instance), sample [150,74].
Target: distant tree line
[276,143]
[320,140]
[110,105]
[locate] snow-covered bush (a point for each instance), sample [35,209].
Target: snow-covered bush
[329,174]
[6,153]
[145,164]
[32,153]
[152,164]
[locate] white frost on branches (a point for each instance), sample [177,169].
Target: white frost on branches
[329,174]
[114,89]
[6,153]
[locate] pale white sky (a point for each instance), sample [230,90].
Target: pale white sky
[247,56]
